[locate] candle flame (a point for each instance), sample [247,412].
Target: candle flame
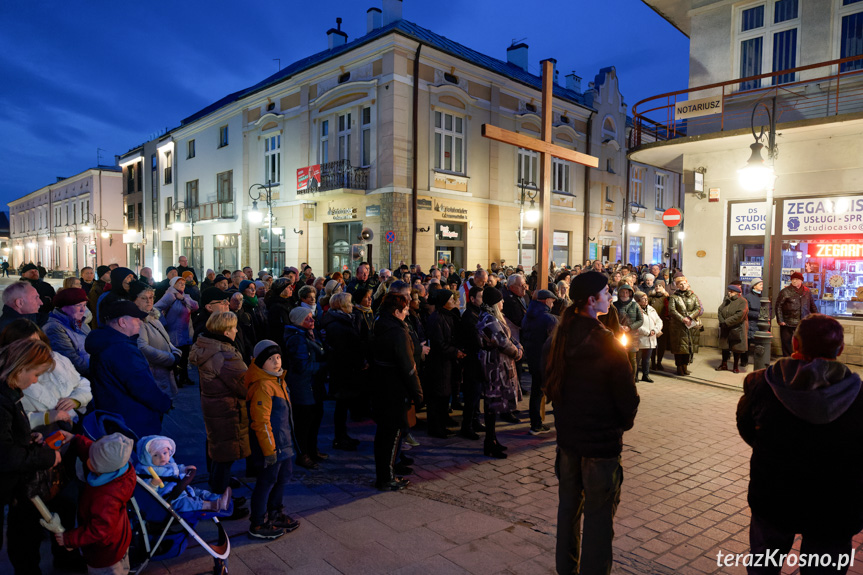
[624,341]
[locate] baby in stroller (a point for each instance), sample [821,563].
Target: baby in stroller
[157,451]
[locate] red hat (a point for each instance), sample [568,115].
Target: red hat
[69,296]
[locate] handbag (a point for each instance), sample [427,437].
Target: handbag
[47,483]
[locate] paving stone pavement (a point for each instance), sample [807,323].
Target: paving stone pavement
[684,499]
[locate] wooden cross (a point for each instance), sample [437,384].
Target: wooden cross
[546,150]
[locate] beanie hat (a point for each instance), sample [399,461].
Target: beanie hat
[638,295]
[648,277]
[299,314]
[264,350]
[797,276]
[187,275]
[169,269]
[259,284]
[440,296]
[244,285]
[137,287]
[110,453]
[220,278]
[102,270]
[27,268]
[490,296]
[209,271]
[678,275]
[587,284]
[212,294]
[735,288]
[69,296]
[755,281]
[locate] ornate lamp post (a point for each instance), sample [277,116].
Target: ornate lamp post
[255,215]
[755,176]
[98,226]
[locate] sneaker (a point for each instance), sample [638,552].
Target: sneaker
[539,430]
[267,532]
[409,439]
[286,522]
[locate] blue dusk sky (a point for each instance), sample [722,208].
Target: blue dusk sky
[77,76]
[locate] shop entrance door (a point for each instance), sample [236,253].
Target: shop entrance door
[745,261]
[340,236]
[450,244]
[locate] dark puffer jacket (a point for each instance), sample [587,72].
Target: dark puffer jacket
[440,363]
[304,359]
[733,324]
[753,300]
[537,326]
[20,457]
[599,399]
[794,304]
[341,341]
[396,381]
[804,421]
[223,396]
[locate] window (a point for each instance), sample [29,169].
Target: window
[168,167]
[190,149]
[273,159]
[851,39]
[325,141]
[67,215]
[636,189]
[223,136]
[191,194]
[767,35]
[344,136]
[661,181]
[130,217]
[609,165]
[560,175]
[74,213]
[367,137]
[608,195]
[636,245]
[609,130]
[528,167]
[658,251]
[449,142]
[225,187]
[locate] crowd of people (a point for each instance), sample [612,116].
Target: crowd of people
[382,344]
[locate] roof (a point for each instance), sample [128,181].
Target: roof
[414,32]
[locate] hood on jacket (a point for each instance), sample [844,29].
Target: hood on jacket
[818,391]
[144,456]
[537,308]
[117,277]
[64,320]
[206,347]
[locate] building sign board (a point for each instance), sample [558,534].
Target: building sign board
[837,215]
[424,203]
[308,178]
[373,211]
[451,212]
[697,108]
[749,219]
[560,239]
[342,213]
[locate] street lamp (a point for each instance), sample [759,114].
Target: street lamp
[180,209]
[757,175]
[255,216]
[73,229]
[633,226]
[528,192]
[96,225]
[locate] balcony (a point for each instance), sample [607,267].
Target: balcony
[819,92]
[339,175]
[202,212]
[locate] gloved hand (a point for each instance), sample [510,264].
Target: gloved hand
[270,460]
[54,526]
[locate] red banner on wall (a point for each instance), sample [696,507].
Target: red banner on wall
[309,178]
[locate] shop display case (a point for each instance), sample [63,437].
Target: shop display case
[836,284]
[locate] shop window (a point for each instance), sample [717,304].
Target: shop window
[832,271]
[196,256]
[274,245]
[226,252]
[560,248]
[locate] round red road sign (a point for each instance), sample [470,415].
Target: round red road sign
[671,217]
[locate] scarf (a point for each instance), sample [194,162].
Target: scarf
[252,301]
[99,479]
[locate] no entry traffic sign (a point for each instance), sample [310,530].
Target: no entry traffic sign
[391,236]
[671,217]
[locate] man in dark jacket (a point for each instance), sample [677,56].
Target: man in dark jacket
[537,326]
[183,266]
[121,378]
[793,304]
[30,273]
[103,276]
[514,308]
[212,300]
[589,379]
[121,282]
[473,377]
[361,279]
[803,417]
[21,300]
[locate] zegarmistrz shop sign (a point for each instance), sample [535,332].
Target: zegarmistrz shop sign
[837,215]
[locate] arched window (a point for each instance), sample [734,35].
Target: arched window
[609,130]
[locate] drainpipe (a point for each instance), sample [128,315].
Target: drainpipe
[416,155]
[624,248]
[585,248]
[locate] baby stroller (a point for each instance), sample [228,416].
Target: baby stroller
[158,531]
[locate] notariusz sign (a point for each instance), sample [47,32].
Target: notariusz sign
[696,108]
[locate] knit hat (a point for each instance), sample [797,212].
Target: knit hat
[678,275]
[110,453]
[648,277]
[102,270]
[209,271]
[638,295]
[27,268]
[755,281]
[490,296]
[137,287]
[187,275]
[259,284]
[299,314]
[220,278]
[169,269]
[797,276]
[545,294]
[265,349]
[69,296]
[587,284]
[212,294]
[244,285]
[734,288]
[439,297]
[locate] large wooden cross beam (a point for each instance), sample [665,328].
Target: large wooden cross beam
[546,150]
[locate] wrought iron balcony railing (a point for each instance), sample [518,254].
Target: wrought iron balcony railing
[820,90]
[208,211]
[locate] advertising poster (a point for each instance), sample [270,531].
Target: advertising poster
[309,178]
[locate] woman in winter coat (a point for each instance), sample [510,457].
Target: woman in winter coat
[253,308]
[396,384]
[340,338]
[223,396]
[176,307]
[154,342]
[684,310]
[658,298]
[733,327]
[66,329]
[497,357]
[279,306]
[60,394]
[648,335]
[753,300]
[563,300]
[441,328]
[22,453]
[631,318]
[304,360]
